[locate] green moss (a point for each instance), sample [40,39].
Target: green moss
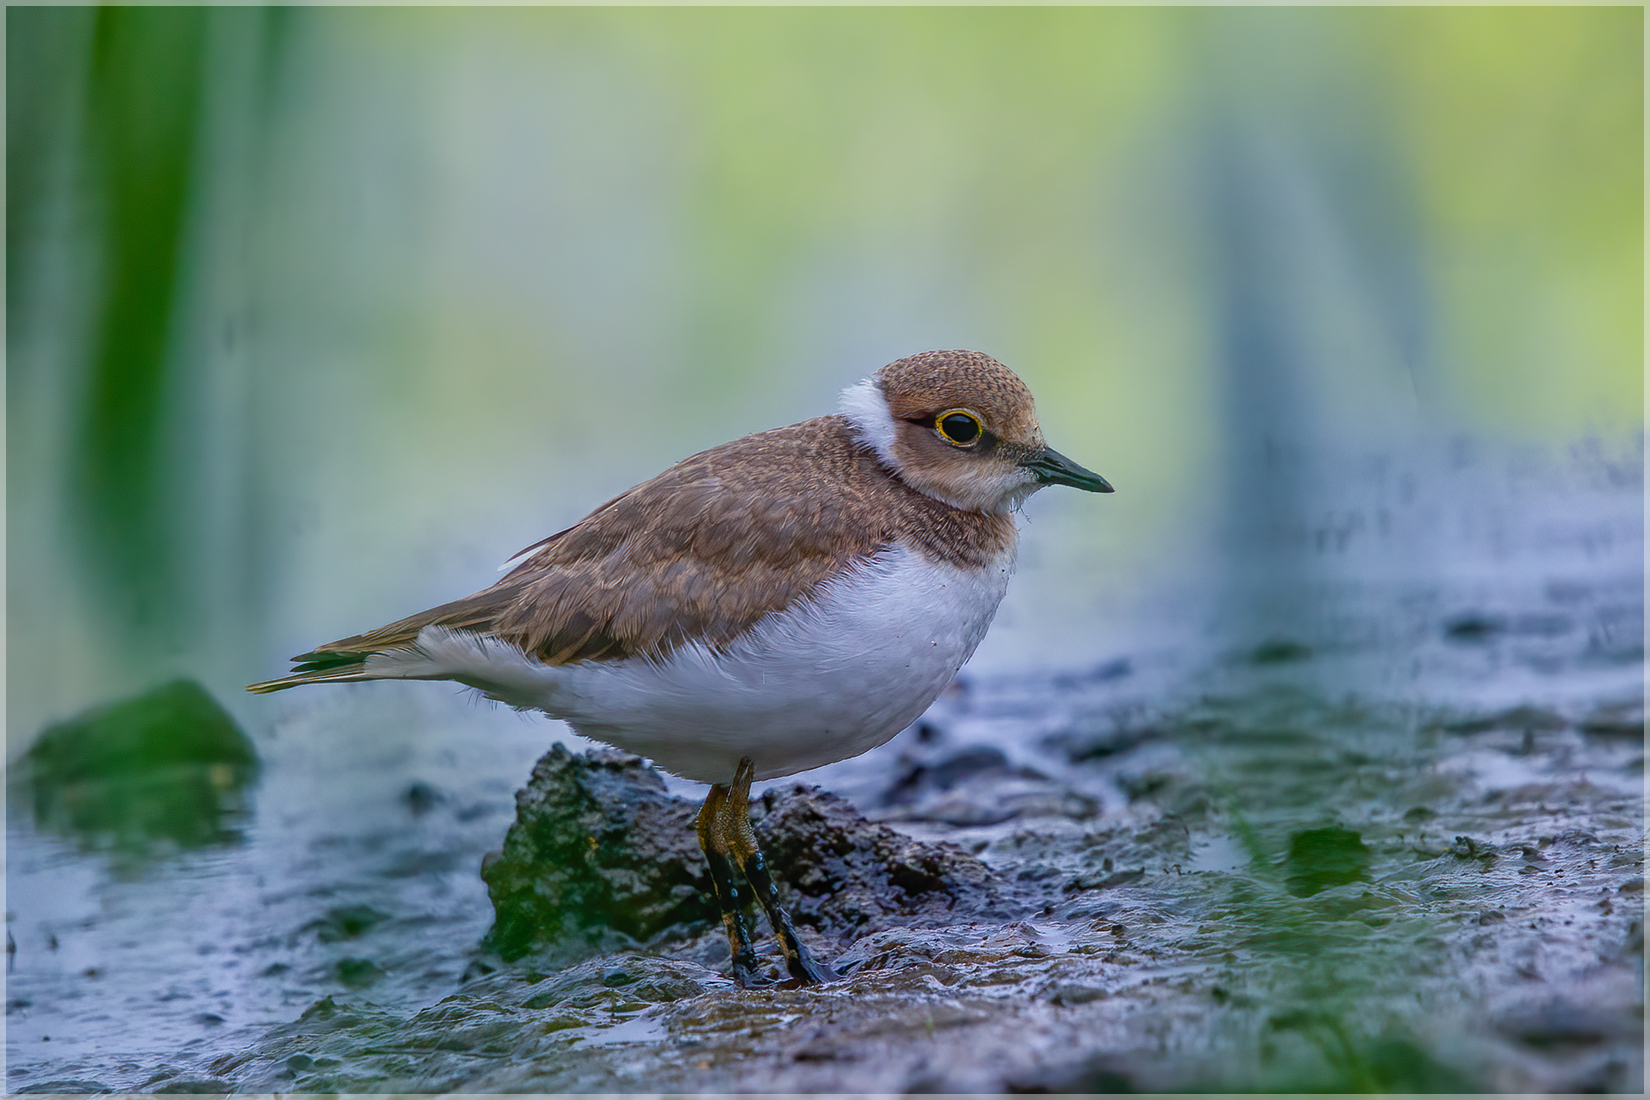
[166,768]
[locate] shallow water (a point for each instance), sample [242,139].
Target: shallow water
[1386,835]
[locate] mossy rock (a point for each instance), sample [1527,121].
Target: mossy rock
[169,767]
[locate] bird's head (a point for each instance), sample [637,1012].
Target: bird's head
[962,428]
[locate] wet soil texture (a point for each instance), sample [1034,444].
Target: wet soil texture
[1284,892]
[1396,847]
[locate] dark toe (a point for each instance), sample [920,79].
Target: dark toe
[807,971]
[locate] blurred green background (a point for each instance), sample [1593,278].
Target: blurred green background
[316,315]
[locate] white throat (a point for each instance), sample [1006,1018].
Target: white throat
[867,410]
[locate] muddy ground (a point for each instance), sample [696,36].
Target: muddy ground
[1462,913]
[1264,890]
[1396,849]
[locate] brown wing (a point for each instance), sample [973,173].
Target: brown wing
[701,552]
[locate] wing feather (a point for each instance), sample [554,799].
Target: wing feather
[701,552]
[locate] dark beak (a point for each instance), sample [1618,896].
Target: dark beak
[1054,468]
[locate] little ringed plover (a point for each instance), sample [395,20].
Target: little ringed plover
[774,604]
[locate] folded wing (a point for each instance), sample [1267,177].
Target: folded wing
[700,553]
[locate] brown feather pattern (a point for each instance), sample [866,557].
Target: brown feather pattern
[704,551]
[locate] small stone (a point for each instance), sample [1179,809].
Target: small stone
[357,973]
[1279,651]
[1474,627]
[346,923]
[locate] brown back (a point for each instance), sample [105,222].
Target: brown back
[706,549]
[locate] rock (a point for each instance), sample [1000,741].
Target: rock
[357,973]
[420,798]
[166,767]
[1474,627]
[346,922]
[175,724]
[602,857]
[845,876]
[1279,651]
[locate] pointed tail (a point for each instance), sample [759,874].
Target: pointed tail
[320,667]
[348,659]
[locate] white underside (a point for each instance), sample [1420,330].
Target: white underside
[817,683]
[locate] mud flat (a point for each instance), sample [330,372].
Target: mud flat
[1396,846]
[1269,890]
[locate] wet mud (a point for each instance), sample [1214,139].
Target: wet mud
[1286,892]
[1400,852]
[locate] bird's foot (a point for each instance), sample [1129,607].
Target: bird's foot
[804,969]
[747,972]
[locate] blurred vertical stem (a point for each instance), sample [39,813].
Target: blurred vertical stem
[141,136]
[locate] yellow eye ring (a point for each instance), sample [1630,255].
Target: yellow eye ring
[959,427]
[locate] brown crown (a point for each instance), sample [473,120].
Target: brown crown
[930,382]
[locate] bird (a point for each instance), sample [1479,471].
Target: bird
[768,606]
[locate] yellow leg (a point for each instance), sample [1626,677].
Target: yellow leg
[734,812]
[717,845]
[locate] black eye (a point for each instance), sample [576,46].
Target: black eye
[959,427]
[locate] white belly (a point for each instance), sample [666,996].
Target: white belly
[806,687]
